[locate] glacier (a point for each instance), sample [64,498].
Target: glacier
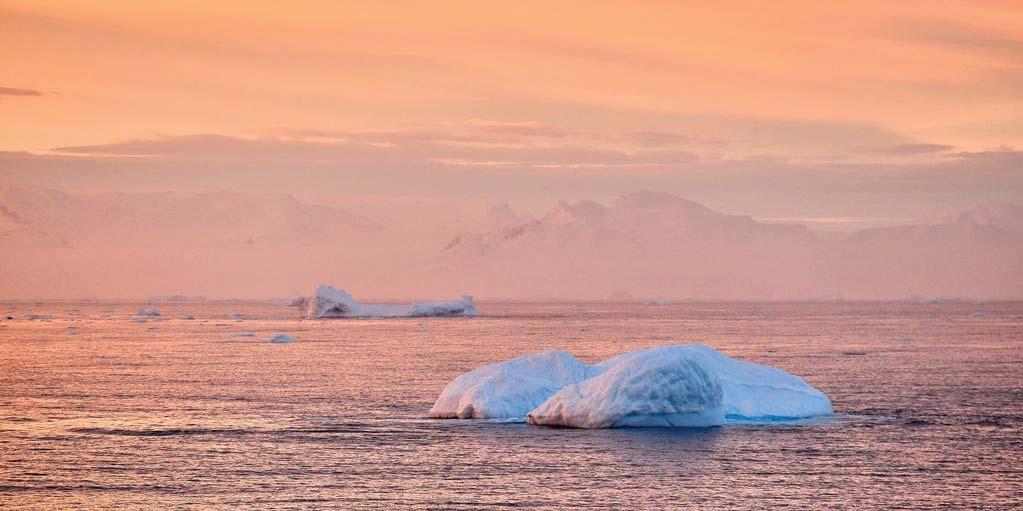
[330,302]
[688,385]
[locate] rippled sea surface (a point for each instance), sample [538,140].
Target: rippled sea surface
[102,409]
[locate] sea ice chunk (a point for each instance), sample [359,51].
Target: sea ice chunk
[330,302]
[681,385]
[657,389]
[508,390]
[751,392]
[282,339]
[463,307]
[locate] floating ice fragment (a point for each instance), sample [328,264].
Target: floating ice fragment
[509,389]
[681,385]
[639,391]
[463,307]
[337,303]
[282,339]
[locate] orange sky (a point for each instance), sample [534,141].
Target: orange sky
[936,72]
[837,115]
[670,88]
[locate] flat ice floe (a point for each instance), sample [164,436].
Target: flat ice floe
[683,385]
[282,339]
[337,303]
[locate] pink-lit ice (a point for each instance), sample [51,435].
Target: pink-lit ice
[330,302]
[681,385]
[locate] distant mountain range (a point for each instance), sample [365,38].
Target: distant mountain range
[646,245]
[659,245]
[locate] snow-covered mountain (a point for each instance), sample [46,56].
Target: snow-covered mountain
[978,253]
[215,219]
[644,245]
[658,245]
[136,244]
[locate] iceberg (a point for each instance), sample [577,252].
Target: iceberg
[638,391]
[330,302]
[282,339]
[509,389]
[463,307]
[151,312]
[682,385]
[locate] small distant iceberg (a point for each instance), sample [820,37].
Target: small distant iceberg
[337,303]
[282,339]
[687,385]
[151,312]
[176,298]
[937,300]
[242,334]
[659,302]
[978,314]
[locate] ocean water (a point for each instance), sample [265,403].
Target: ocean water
[100,409]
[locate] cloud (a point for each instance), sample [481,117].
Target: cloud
[11,91]
[365,151]
[961,37]
[659,138]
[471,131]
[524,129]
[997,158]
[904,149]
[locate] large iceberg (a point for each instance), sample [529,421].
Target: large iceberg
[337,303]
[683,385]
[509,389]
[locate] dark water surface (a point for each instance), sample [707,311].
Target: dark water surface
[99,410]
